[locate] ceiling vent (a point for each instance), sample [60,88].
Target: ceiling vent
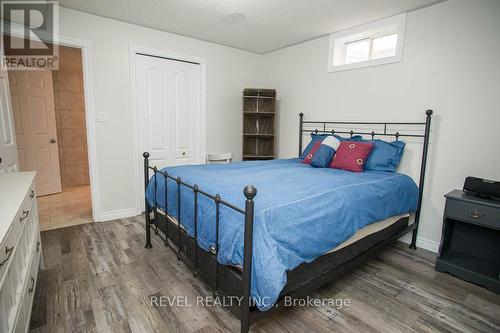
[235,17]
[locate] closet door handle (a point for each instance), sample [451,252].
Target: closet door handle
[25,215]
[30,290]
[8,252]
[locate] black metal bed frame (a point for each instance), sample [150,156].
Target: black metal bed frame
[303,279]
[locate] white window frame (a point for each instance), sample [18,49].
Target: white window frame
[338,41]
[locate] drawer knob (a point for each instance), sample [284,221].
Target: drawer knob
[475,214]
[25,215]
[8,252]
[32,288]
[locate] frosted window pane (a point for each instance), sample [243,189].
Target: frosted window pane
[357,51]
[384,47]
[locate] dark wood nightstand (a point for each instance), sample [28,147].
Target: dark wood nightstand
[470,243]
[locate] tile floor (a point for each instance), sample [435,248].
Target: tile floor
[70,207]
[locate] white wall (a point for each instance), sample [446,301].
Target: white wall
[451,63]
[228,72]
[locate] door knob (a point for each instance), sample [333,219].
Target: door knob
[52,140]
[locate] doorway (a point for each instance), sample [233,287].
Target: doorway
[49,121]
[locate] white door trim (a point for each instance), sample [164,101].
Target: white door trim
[133,50]
[85,45]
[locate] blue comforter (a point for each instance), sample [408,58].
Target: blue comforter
[301,212]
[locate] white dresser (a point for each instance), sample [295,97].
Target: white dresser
[20,250]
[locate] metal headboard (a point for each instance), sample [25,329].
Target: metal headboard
[327,127]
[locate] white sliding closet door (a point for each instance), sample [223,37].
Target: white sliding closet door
[168,97]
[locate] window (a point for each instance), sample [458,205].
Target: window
[357,51]
[368,45]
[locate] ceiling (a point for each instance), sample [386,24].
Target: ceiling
[266,25]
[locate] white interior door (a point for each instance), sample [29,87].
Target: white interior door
[168,95]
[8,149]
[33,107]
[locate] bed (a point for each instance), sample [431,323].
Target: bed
[304,227]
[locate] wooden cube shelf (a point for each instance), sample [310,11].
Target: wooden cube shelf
[259,113]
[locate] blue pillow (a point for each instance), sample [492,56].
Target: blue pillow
[353,138]
[314,139]
[323,156]
[385,156]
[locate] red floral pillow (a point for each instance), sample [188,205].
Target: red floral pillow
[351,156]
[309,156]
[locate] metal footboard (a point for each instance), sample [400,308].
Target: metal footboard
[249,192]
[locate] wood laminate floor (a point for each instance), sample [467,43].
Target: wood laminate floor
[98,277]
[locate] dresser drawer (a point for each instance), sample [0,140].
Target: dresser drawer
[9,245]
[27,206]
[473,213]
[24,308]
[30,195]
[29,293]
[8,301]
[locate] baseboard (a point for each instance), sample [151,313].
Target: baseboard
[118,214]
[427,244]
[422,243]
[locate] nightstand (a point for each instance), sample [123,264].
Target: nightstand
[470,242]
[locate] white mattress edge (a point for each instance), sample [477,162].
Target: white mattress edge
[368,230]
